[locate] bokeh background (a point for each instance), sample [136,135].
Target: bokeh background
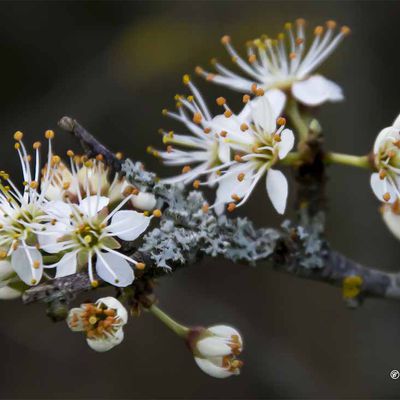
[114,66]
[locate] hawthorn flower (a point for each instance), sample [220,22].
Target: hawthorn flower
[215,350]
[88,229]
[23,212]
[284,64]
[386,182]
[260,140]
[101,322]
[201,147]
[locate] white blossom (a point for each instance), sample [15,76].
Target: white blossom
[23,212]
[215,351]
[101,322]
[386,182]
[259,140]
[199,150]
[283,64]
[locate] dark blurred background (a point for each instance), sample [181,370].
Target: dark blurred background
[114,66]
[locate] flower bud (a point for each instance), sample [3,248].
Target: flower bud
[215,350]
[144,201]
[101,322]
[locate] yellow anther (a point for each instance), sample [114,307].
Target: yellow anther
[190,98]
[281,121]
[33,282]
[36,145]
[186,79]
[66,185]
[186,169]
[157,213]
[199,70]
[164,112]
[36,264]
[49,134]
[88,239]
[240,177]
[277,137]
[196,184]
[94,284]
[288,26]
[318,31]
[228,113]
[225,39]
[92,320]
[244,127]
[34,185]
[70,153]
[221,101]
[260,92]
[331,24]
[246,98]
[18,136]
[3,254]
[17,146]
[386,196]
[252,58]
[345,30]
[141,266]
[351,286]
[55,160]
[197,117]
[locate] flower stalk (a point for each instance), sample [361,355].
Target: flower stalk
[348,159]
[179,329]
[293,112]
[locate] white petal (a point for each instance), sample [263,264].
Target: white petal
[221,123]
[102,345]
[144,201]
[93,204]
[112,302]
[67,265]
[128,224]
[379,189]
[6,270]
[120,267]
[224,331]
[211,369]
[277,100]
[224,151]
[396,123]
[59,210]
[75,314]
[8,293]
[392,220]
[263,114]
[212,347]
[51,243]
[22,266]
[384,134]
[286,143]
[277,189]
[316,90]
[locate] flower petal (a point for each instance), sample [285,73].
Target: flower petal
[286,143]
[263,114]
[213,347]
[102,345]
[381,186]
[383,135]
[277,189]
[128,224]
[144,201]
[9,293]
[224,151]
[6,270]
[50,243]
[124,275]
[396,123]
[22,265]
[224,331]
[112,302]
[93,204]
[211,369]
[277,100]
[316,90]
[67,265]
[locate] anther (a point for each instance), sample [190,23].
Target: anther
[70,153]
[331,24]
[17,146]
[240,177]
[49,134]
[246,98]
[205,208]
[300,21]
[252,59]
[141,266]
[186,169]
[33,282]
[18,136]
[382,174]
[36,145]
[281,121]
[235,197]
[169,149]
[119,155]
[34,185]
[259,92]
[225,39]
[94,283]
[299,41]
[197,117]
[207,130]
[186,79]
[228,113]
[253,88]
[238,158]
[223,133]
[244,127]
[221,101]
[199,70]
[277,137]
[210,77]
[99,157]
[157,213]
[292,56]
[231,207]
[318,31]
[345,30]
[196,184]
[386,196]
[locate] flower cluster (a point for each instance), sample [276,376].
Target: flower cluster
[68,219]
[235,150]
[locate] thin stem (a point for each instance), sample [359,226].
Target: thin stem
[179,329]
[297,120]
[348,159]
[291,158]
